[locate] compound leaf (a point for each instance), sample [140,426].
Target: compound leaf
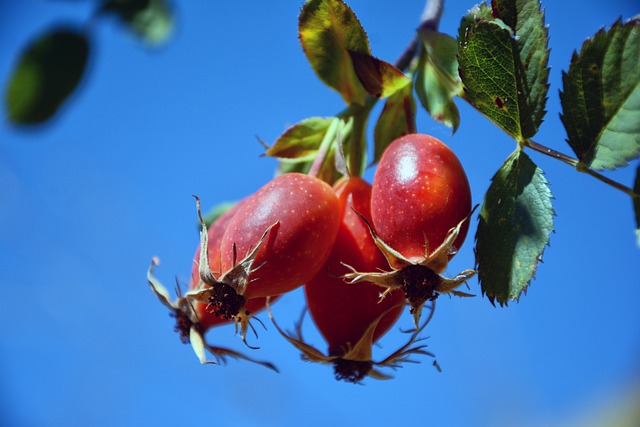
[503,57]
[514,227]
[328,30]
[437,79]
[601,98]
[48,72]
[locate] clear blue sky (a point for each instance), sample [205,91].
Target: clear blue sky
[86,202]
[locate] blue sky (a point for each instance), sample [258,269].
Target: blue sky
[87,201]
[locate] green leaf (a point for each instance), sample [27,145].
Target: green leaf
[47,73]
[601,98]
[526,19]
[504,68]
[514,227]
[636,203]
[437,79]
[151,20]
[352,136]
[328,30]
[378,77]
[302,140]
[398,118]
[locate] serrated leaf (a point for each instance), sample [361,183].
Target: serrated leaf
[378,77]
[514,227]
[48,72]
[636,204]
[302,140]
[151,20]
[526,19]
[437,79]
[398,118]
[601,98]
[504,69]
[328,30]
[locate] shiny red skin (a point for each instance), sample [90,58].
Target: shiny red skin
[420,191]
[307,210]
[341,311]
[206,319]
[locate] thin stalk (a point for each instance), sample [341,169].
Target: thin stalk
[325,146]
[580,167]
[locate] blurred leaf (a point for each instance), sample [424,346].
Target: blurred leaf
[151,20]
[216,212]
[302,140]
[601,98]
[378,77]
[504,69]
[398,118]
[47,73]
[328,30]
[636,204]
[514,226]
[287,166]
[437,79]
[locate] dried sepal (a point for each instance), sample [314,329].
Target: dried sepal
[420,279]
[357,362]
[225,294]
[188,326]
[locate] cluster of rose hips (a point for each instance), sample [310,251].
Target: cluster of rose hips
[363,252]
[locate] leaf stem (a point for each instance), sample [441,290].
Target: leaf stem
[580,167]
[430,19]
[325,146]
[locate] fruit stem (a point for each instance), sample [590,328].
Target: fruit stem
[580,167]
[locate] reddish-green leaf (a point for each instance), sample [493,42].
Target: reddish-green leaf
[302,140]
[328,30]
[378,77]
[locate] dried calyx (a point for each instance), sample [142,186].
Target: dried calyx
[189,328]
[356,362]
[421,280]
[225,295]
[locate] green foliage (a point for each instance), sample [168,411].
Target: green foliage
[515,223]
[398,118]
[328,31]
[302,140]
[378,77]
[504,68]
[437,79]
[151,20]
[47,73]
[601,98]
